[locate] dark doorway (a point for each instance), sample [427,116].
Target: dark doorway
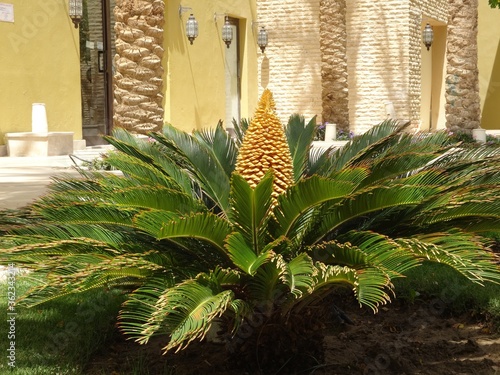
[233,76]
[96,51]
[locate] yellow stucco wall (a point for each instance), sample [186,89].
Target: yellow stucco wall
[489,65]
[194,74]
[39,60]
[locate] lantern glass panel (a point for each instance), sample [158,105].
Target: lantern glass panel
[75,8]
[191,28]
[427,36]
[262,39]
[227,33]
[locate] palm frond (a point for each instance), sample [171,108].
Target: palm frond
[460,250]
[364,146]
[148,174]
[87,213]
[240,128]
[76,273]
[198,159]
[185,311]
[205,227]
[147,154]
[243,256]
[303,196]
[221,146]
[300,137]
[381,252]
[250,209]
[369,201]
[298,275]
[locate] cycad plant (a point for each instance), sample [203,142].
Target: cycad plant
[251,234]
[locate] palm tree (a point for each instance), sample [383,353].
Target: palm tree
[138,79]
[463,104]
[199,242]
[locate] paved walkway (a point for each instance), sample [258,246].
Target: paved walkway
[23,179]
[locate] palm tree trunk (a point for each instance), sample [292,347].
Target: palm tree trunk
[138,78]
[333,39]
[462,81]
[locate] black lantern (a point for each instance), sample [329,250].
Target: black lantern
[227,33]
[428,36]
[262,39]
[76,11]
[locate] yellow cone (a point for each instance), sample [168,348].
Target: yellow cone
[265,147]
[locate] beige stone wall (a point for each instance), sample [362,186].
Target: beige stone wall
[291,64]
[384,58]
[378,61]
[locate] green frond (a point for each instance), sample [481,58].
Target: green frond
[241,310]
[372,287]
[151,221]
[487,208]
[250,209]
[353,175]
[86,213]
[243,256]
[300,136]
[365,146]
[369,284]
[339,253]
[320,161]
[394,166]
[369,201]
[460,250]
[147,174]
[154,155]
[240,128]
[299,275]
[36,252]
[135,317]
[198,159]
[220,277]
[381,252]
[187,311]
[303,196]
[76,273]
[220,145]
[203,226]
[266,284]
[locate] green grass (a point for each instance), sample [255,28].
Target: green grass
[453,292]
[58,337]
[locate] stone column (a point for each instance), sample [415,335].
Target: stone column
[462,80]
[334,87]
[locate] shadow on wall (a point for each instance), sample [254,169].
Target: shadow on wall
[264,75]
[490,117]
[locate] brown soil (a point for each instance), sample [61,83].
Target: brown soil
[419,338]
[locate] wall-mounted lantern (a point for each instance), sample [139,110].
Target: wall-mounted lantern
[191,24]
[227,30]
[262,39]
[76,11]
[227,33]
[428,36]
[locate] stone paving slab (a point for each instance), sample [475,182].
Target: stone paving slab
[23,179]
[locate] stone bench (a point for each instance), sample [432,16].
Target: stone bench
[39,144]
